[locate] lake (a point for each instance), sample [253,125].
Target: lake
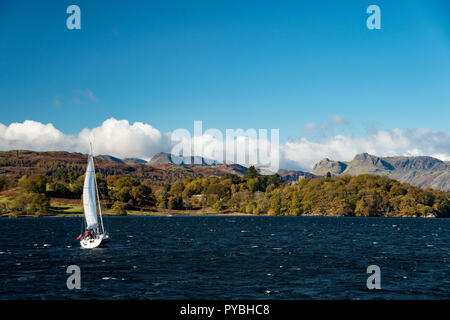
[228,257]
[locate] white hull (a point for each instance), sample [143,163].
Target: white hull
[89,243]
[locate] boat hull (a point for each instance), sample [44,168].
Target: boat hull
[91,243]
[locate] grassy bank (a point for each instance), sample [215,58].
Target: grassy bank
[74,208]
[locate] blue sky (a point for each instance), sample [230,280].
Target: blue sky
[291,65]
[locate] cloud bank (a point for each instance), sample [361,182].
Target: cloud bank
[118,138]
[305,153]
[122,139]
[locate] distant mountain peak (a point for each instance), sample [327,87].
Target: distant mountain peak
[168,158]
[118,160]
[326,165]
[422,171]
[134,161]
[364,156]
[367,162]
[109,158]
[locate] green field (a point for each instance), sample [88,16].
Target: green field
[66,209]
[62,209]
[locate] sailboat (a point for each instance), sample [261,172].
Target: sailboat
[94,233]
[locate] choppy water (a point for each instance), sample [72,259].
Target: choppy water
[228,258]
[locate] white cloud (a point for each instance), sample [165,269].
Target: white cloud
[89,94]
[122,139]
[33,135]
[304,153]
[322,130]
[114,137]
[337,119]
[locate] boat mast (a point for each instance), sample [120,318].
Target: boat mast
[96,190]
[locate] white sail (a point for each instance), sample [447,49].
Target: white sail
[89,196]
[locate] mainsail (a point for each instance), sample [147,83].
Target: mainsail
[89,196]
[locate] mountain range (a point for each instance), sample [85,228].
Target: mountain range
[167,158]
[16,163]
[422,171]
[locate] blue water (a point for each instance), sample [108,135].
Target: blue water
[228,258]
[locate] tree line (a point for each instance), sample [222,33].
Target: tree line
[363,195]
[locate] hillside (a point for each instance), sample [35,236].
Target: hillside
[22,162]
[124,161]
[44,182]
[421,171]
[293,175]
[425,172]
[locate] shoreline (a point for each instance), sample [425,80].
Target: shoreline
[206,214]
